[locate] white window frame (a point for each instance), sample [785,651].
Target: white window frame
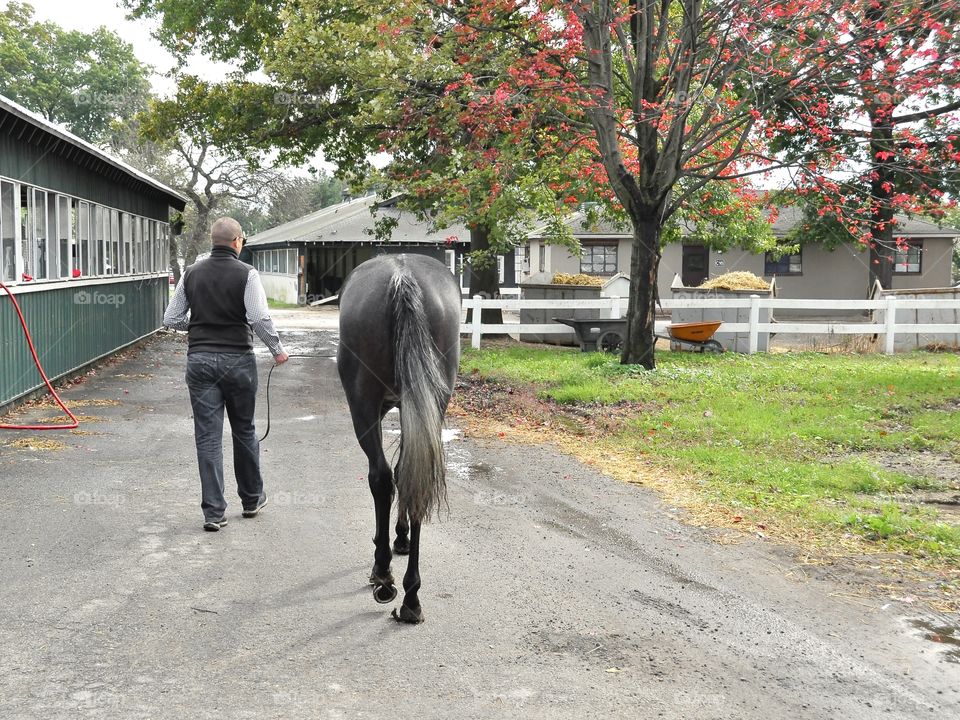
[70,234]
[13,260]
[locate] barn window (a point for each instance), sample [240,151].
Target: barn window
[783,265]
[599,258]
[908,260]
[65,241]
[84,244]
[8,234]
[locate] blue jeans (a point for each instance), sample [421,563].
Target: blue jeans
[217,381]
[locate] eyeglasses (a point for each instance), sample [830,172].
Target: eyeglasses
[242,239]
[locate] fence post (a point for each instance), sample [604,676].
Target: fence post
[754,322]
[477,318]
[615,308]
[890,320]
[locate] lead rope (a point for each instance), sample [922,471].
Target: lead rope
[270,375]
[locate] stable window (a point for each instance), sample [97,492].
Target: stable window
[907,260]
[26,231]
[40,235]
[149,245]
[98,217]
[126,243]
[84,239]
[53,265]
[155,233]
[133,264]
[784,265]
[64,239]
[8,233]
[598,258]
[113,259]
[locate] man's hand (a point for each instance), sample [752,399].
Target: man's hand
[281,358]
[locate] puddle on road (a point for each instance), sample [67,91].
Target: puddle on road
[313,343]
[946,635]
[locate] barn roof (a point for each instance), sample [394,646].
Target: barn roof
[353,222]
[787,219]
[14,118]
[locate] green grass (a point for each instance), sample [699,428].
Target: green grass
[279,305]
[797,436]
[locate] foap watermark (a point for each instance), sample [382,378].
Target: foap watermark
[490,497]
[86,297]
[286,498]
[296,99]
[114,101]
[98,498]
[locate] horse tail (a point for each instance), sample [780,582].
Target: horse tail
[424,393]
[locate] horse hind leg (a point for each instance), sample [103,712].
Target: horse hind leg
[410,610]
[380,479]
[401,546]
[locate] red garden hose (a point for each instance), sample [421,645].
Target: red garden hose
[36,360]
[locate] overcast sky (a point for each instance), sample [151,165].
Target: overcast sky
[89,14]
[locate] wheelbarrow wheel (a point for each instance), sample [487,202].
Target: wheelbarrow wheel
[713,346]
[610,342]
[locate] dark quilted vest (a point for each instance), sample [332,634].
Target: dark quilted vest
[218,316]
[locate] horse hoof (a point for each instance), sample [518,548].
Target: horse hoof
[406,615]
[401,546]
[377,579]
[384,594]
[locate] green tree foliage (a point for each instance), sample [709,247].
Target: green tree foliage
[395,78]
[85,81]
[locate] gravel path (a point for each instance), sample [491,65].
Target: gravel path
[550,591]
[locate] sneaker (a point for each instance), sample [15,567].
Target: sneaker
[255,510]
[214,525]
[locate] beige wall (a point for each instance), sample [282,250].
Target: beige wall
[280,287]
[560,260]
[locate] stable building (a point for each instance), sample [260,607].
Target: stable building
[84,247]
[308,259]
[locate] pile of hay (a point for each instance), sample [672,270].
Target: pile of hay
[581,279]
[736,281]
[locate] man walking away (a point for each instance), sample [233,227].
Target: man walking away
[218,301]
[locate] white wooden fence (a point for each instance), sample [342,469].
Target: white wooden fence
[613,307]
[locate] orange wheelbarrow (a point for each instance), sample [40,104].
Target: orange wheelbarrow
[695,334]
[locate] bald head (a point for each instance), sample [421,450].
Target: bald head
[225,231]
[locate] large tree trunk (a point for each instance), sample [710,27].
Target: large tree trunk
[198,240]
[484,281]
[882,245]
[638,345]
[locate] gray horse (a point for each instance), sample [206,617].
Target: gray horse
[400,347]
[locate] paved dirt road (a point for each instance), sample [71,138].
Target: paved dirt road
[550,591]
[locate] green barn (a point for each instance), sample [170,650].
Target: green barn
[84,244]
